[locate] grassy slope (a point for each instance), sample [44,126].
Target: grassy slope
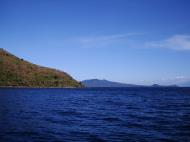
[17,72]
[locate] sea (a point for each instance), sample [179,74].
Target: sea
[95,114]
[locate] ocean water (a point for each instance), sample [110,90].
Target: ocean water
[95,114]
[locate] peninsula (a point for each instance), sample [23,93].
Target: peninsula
[16,72]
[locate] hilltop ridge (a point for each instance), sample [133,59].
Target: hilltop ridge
[16,72]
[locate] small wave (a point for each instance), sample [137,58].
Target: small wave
[62,122]
[95,138]
[23,133]
[112,119]
[87,135]
[67,113]
[134,125]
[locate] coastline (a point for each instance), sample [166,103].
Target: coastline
[40,87]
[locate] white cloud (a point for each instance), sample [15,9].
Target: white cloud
[176,42]
[103,40]
[180,77]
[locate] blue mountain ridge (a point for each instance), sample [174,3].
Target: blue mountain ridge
[107,83]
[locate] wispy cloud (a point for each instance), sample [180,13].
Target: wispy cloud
[103,40]
[130,40]
[176,42]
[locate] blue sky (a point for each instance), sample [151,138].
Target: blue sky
[132,41]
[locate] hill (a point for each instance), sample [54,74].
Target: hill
[105,83]
[16,72]
[157,85]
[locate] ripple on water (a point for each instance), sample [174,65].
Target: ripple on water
[58,121]
[67,112]
[86,136]
[95,115]
[112,119]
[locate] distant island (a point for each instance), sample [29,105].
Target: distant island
[107,83]
[157,85]
[16,72]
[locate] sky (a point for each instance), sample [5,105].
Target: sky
[131,41]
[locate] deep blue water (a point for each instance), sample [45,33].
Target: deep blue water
[95,114]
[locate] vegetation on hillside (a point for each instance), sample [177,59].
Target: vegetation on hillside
[17,72]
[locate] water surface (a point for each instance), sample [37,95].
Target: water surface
[95,114]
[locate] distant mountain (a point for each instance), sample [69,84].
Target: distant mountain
[105,83]
[17,72]
[156,85]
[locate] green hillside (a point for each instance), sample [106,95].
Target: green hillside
[15,72]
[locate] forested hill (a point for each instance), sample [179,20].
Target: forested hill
[16,72]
